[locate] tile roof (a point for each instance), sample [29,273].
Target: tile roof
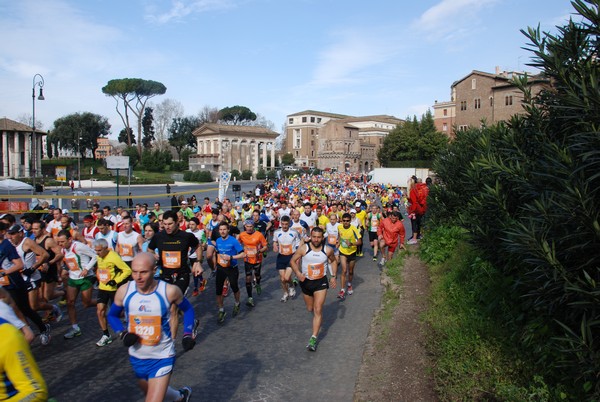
[11,125]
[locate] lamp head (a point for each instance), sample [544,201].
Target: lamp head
[41,97]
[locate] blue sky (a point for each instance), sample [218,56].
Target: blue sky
[276,57]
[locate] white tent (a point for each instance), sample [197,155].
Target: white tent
[14,185]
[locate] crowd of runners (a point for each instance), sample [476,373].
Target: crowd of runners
[135,267]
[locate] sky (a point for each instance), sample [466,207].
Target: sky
[277,57]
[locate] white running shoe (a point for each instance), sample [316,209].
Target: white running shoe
[45,336]
[284,297]
[105,340]
[291,293]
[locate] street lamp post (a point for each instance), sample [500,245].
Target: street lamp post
[79,158]
[38,81]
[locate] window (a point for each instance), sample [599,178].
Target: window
[445,127]
[445,112]
[491,101]
[463,105]
[477,103]
[312,154]
[473,83]
[291,120]
[304,119]
[312,143]
[312,119]
[297,154]
[508,101]
[463,128]
[318,119]
[312,132]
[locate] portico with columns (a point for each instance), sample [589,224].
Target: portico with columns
[223,147]
[15,148]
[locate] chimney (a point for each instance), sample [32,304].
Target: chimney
[497,70]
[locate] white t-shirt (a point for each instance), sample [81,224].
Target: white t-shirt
[8,314]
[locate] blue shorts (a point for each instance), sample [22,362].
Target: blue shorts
[151,368]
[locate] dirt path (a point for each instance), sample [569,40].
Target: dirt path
[395,363]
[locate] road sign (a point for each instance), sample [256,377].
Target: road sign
[117,162]
[61,173]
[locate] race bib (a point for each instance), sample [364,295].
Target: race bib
[126,250]
[316,271]
[222,261]
[285,249]
[171,259]
[331,239]
[103,275]
[147,327]
[72,264]
[251,252]
[345,243]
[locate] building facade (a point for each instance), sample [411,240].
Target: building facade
[334,141]
[16,149]
[444,117]
[224,147]
[484,98]
[104,149]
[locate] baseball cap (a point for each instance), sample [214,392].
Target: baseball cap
[249,222]
[183,202]
[353,211]
[15,229]
[65,211]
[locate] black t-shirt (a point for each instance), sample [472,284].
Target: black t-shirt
[173,249]
[261,226]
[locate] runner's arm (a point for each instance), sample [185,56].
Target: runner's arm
[39,251]
[294,262]
[19,368]
[124,271]
[114,314]
[58,254]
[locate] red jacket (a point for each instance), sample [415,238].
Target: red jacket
[418,199]
[390,231]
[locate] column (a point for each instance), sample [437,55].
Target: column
[230,156]
[28,172]
[16,156]
[5,157]
[264,164]
[248,150]
[255,164]
[272,155]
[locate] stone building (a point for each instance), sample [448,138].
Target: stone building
[16,150]
[484,97]
[227,147]
[335,141]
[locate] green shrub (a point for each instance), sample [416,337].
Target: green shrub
[235,174]
[187,175]
[246,174]
[179,166]
[261,174]
[527,192]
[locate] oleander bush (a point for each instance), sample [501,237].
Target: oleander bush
[527,192]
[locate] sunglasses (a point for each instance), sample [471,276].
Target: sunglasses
[345,220]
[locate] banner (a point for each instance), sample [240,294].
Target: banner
[61,173]
[224,178]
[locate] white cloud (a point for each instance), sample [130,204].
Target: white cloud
[448,16]
[183,8]
[355,51]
